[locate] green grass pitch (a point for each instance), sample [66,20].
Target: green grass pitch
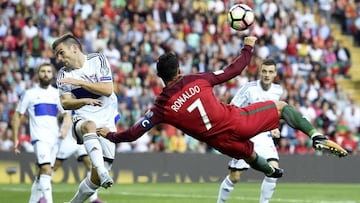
[195,193]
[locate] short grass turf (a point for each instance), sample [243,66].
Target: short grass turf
[195,193]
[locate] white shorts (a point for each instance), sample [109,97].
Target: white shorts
[263,146]
[45,152]
[108,147]
[68,147]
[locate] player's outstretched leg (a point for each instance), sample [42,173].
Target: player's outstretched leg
[297,121]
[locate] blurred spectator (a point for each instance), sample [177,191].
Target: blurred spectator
[283,146]
[30,29]
[142,144]
[356,29]
[84,8]
[6,143]
[325,7]
[303,145]
[344,58]
[308,111]
[24,140]
[350,142]
[268,11]
[112,53]
[352,117]
[177,142]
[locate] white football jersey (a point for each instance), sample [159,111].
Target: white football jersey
[252,92]
[96,68]
[42,107]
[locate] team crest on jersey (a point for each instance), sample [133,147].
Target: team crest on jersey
[104,70]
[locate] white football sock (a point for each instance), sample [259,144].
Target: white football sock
[85,190]
[45,185]
[94,196]
[267,189]
[94,149]
[225,190]
[35,191]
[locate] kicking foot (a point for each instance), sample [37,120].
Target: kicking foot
[105,180]
[321,142]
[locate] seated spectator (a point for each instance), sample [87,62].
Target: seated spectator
[350,142]
[356,32]
[6,142]
[142,144]
[24,140]
[344,58]
[177,142]
[283,146]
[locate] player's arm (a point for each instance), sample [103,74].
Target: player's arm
[66,124]
[134,132]
[15,123]
[99,88]
[70,103]
[238,65]
[129,135]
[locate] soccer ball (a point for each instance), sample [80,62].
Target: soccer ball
[240,17]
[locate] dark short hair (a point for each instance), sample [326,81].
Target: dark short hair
[167,66]
[67,39]
[268,62]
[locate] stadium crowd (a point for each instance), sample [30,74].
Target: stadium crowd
[132,34]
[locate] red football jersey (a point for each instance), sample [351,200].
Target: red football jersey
[189,104]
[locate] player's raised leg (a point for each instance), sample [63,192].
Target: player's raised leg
[297,121]
[94,150]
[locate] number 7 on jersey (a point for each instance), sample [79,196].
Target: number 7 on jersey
[198,104]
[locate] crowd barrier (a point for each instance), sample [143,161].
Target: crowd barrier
[186,168]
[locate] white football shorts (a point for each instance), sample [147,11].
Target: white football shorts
[263,146]
[45,152]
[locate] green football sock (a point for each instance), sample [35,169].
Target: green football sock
[297,121]
[262,165]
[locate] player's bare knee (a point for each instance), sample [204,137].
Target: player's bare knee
[88,127]
[234,176]
[46,169]
[274,163]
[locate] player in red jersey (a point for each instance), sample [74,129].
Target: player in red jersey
[188,103]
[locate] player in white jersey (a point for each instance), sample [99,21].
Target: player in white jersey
[67,148]
[251,92]
[42,105]
[86,86]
